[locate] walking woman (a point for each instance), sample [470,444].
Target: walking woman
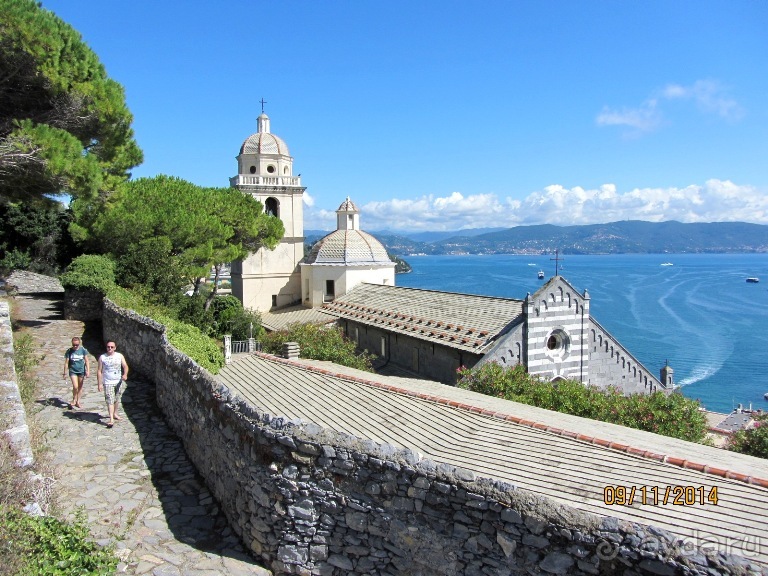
[78,368]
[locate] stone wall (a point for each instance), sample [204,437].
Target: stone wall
[313,501]
[429,360]
[84,305]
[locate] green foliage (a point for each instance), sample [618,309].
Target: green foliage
[190,340]
[318,343]
[25,360]
[752,441]
[16,259]
[187,338]
[89,272]
[191,309]
[50,546]
[225,315]
[64,125]
[140,269]
[667,414]
[35,236]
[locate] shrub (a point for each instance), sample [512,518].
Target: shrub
[667,414]
[752,441]
[224,316]
[191,309]
[89,272]
[318,343]
[46,545]
[190,340]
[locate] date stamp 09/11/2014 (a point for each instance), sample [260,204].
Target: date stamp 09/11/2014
[660,495]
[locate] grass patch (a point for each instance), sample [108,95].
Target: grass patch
[25,359]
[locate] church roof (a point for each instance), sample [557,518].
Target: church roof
[463,321]
[348,247]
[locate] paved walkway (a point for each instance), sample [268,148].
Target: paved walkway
[134,481]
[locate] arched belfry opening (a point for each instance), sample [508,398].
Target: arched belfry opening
[272,207]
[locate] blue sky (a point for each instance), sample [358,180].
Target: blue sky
[448,115]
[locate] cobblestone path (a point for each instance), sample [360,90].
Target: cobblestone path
[133,482]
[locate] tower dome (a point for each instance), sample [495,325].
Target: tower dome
[263,141]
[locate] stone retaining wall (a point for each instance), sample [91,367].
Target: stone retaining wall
[313,501]
[13,417]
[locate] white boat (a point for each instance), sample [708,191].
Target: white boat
[667,264]
[541,274]
[753,280]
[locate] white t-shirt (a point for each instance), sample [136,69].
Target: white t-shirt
[111,367]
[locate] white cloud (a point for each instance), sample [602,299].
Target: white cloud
[644,118]
[714,201]
[709,96]
[308,200]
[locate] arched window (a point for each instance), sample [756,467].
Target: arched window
[272,207]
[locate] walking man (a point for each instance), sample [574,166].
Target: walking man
[77,367]
[112,375]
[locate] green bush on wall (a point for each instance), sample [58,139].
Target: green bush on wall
[89,272]
[667,414]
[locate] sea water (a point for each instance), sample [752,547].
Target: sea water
[694,310]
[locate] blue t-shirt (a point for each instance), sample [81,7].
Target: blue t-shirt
[76,357]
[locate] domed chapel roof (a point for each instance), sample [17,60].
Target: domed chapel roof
[264,142]
[348,247]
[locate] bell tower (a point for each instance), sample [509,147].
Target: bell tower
[270,279]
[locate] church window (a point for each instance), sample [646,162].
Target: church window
[271,169]
[558,343]
[252,169]
[271,207]
[285,170]
[329,289]
[274,300]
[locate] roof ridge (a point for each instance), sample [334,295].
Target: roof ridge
[433,290]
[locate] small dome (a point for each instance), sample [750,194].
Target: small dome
[348,247]
[347,206]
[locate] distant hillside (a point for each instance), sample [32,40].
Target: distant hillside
[630,236]
[626,237]
[431,237]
